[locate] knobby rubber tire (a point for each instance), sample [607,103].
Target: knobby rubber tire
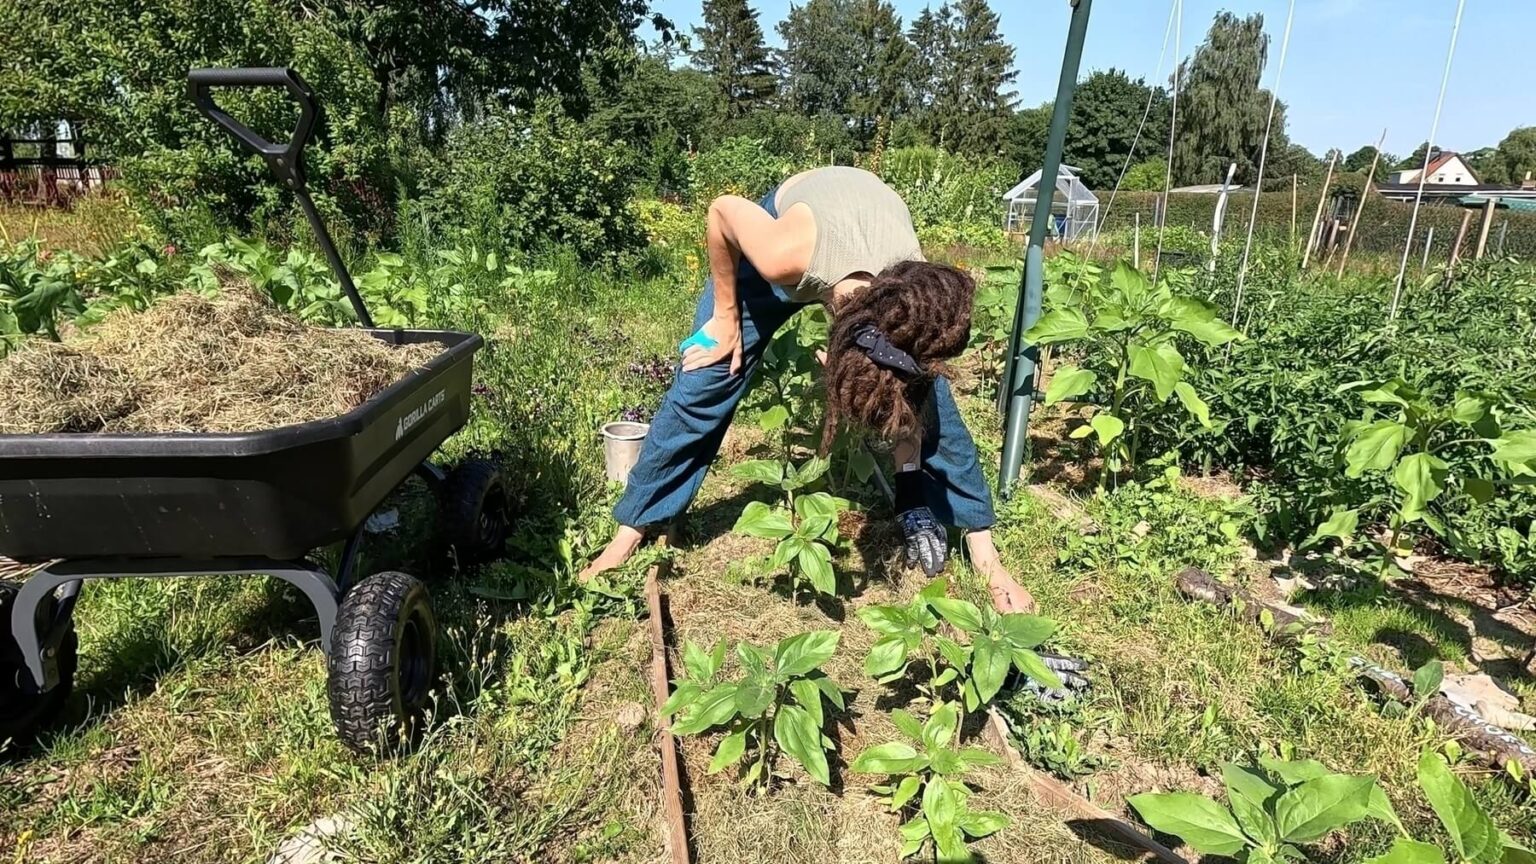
[383,662]
[476,514]
[23,712]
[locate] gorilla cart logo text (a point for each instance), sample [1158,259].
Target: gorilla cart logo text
[418,413]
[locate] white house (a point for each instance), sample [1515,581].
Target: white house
[1445,169]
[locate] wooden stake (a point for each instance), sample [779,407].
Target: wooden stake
[1482,231]
[1429,238]
[1354,224]
[1503,230]
[671,769]
[1136,243]
[1461,237]
[1318,216]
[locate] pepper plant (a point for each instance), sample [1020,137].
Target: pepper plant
[931,775]
[1272,809]
[1127,332]
[773,704]
[997,643]
[1410,441]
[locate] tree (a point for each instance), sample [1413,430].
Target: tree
[881,64]
[662,112]
[1516,156]
[970,105]
[1416,158]
[1146,176]
[1027,132]
[1222,110]
[1361,159]
[817,57]
[732,52]
[1106,113]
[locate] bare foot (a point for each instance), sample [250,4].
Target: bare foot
[624,543]
[1007,594]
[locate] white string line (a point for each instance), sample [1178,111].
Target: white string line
[1173,123]
[1258,185]
[1147,112]
[1434,129]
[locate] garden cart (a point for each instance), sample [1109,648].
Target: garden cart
[81,507]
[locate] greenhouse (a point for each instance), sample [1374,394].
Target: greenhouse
[1075,209]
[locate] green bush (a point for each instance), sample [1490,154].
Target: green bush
[743,166]
[941,188]
[533,181]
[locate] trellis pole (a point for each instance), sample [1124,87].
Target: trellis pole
[1318,216]
[1354,224]
[1019,377]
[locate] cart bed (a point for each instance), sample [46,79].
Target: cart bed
[277,493]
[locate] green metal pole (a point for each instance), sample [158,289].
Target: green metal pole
[1019,377]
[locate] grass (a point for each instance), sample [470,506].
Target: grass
[200,730]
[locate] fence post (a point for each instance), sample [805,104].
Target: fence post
[1461,236]
[1487,224]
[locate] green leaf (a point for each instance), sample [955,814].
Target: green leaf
[754,695]
[729,752]
[1516,451]
[760,470]
[962,614]
[1481,490]
[1405,851]
[1202,823]
[760,520]
[701,665]
[909,725]
[811,471]
[955,654]
[808,696]
[888,654]
[774,418]
[1469,409]
[788,550]
[815,563]
[684,694]
[1307,812]
[1427,678]
[1375,448]
[1211,331]
[863,464]
[1026,631]
[905,791]
[1058,325]
[814,528]
[975,757]
[830,690]
[897,757]
[1030,664]
[801,653]
[1295,771]
[982,823]
[1108,427]
[1342,524]
[1380,807]
[1249,794]
[801,739]
[1473,834]
[1421,476]
[712,708]
[989,665]
[941,726]
[887,620]
[1163,366]
[914,832]
[1130,283]
[817,504]
[941,804]
[1193,403]
[1069,382]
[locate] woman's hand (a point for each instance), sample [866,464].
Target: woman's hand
[722,330]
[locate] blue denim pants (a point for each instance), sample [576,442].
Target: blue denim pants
[690,425]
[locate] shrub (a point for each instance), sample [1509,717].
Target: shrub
[743,166]
[941,188]
[533,181]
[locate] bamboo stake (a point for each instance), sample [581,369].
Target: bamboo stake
[1354,224]
[1482,231]
[1136,242]
[1318,216]
[1429,239]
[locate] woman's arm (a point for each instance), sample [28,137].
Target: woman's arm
[779,249]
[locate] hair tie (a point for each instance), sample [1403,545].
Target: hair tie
[879,349]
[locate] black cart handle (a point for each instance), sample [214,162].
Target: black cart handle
[286,161]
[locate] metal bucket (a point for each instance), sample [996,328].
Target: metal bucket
[621,448]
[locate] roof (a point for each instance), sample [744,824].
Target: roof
[1206,189]
[1441,159]
[1456,190]
[1066,172]
[1519,205]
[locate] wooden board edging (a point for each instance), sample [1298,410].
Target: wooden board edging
[678,851]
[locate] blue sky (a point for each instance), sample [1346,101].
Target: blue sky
[1354,66]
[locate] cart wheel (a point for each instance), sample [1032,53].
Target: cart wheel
[23,710]
[474,512]
[383,661]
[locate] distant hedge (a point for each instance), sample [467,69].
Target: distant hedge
[1384,225]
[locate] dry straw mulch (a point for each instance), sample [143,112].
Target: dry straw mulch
[232,362]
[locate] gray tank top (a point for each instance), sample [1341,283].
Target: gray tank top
[862,226]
